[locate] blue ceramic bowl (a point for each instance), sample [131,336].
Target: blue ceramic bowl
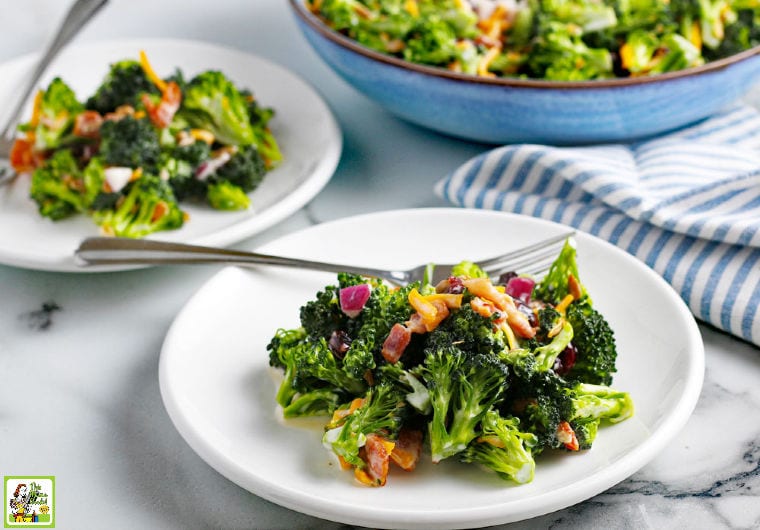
[501,111]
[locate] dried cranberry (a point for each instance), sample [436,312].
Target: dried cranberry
[339,343]
[526,310]
[456,286]
[505,277]
[566,360]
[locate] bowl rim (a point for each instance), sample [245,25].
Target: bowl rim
[315,23]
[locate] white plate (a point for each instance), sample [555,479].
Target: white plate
[304,125]
[217,388]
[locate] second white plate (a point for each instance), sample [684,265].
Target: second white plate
[216,385]
[303,124]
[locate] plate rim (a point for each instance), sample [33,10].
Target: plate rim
[573,493]
[317,178]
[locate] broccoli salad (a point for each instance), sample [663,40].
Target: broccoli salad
[560,40]
[141,144]
[488,373]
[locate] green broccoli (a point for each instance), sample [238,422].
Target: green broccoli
[594,341]
[245,169]
[468,269]
[599,402]
[58,109]
[589,15]
[319,402]
[680,54]
[462,388]
[554,286]
[124,84]
[283,353]
[226,196]
[263,138]
[381,411]
[61,189]
[415,392]
[130,142]
[212,102]
[560,54]
[638,51]
[539,398]
[473,333]
[148,205]
[181,163]
[501,446]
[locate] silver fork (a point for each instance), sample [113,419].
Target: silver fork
[532,259]
[76,18]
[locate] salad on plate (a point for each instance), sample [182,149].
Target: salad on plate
[492,373]
[138,147]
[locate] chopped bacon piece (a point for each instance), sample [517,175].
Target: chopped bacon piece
[378,455]
[416,325]
[162,114]
[566,435]
[406,453]
[87,124]
[23,157]
[396,342]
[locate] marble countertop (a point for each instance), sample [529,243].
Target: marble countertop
[84,349]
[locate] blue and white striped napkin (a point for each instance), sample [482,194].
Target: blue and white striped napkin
[687,204]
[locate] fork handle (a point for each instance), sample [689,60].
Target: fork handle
[78,15]
[124,251]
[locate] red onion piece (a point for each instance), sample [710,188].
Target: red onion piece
[520,287]
[352,299]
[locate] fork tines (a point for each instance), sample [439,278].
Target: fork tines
[534,259]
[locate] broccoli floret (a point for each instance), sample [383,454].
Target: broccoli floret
[590,405]
[320,402]
[470,330]
[181,163]
[554,286]
[462,388]
[415,392]
[638,50]
[589,15]
[226,196]
[58,108]
[548,353]
[381,411]
[468,269]
[594,341]
[284,351]
[130,142]
[61,189]
[317,361]
[124,84]
[599,402]
[321,316]
[148,206]
[245,169]
[212,102]
[263,138]
[560,54]
[502,447]
[679,53]
[585,430]
[539,398]
[384,308]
